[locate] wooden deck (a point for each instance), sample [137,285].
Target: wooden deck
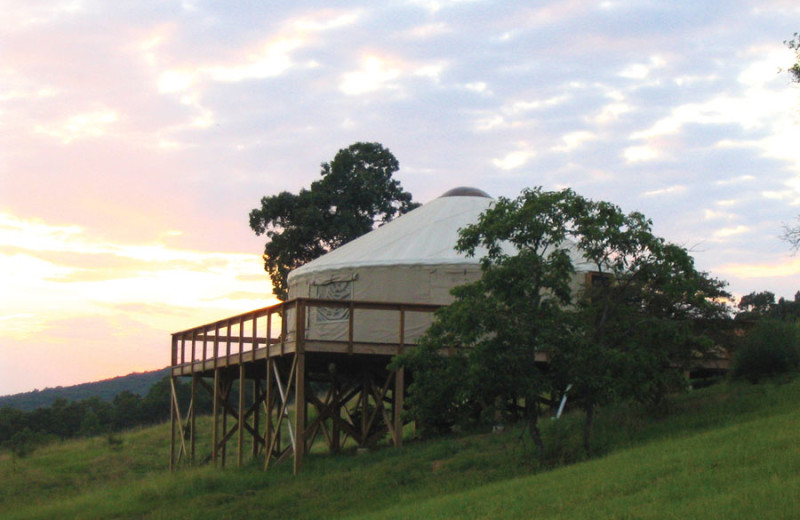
[363,399]
[355,395]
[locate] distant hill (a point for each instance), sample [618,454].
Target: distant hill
[138,383]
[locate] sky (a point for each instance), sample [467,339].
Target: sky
[136,136]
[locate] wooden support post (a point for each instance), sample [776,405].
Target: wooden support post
[240,445]
[362,443]
[398,398]
[336,412]
[268,412]
[225,392]
[172,413]
[300,387]
[193,423]
[257,414]
[215,418]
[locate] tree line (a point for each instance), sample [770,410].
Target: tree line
[94,416]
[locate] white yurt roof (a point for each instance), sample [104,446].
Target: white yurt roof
[424,236]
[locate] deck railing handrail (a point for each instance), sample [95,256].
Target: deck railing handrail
[221,332]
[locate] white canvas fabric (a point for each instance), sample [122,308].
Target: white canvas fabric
[410,260]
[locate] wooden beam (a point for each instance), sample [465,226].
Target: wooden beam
[240,446]
[398,398]
[215,418]
[193,423]
[172,428]
[300,388]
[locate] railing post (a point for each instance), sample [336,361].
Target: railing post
[255,337]
[241,339]
[174,356]
[216,345]
[283,326]
[228,325]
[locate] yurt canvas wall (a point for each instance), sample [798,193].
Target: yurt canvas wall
[410,260]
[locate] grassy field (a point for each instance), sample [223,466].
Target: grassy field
[729,451]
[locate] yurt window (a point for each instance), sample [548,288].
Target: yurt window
[333,290]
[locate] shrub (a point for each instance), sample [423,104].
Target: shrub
[770,349]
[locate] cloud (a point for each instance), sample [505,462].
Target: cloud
[635,154]
[642,70]
[514,160]
[374,74]
[80,126]
[665,191]
[573,140]
[62,272]
[731,231]
[786,268]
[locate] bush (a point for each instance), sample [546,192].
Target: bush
[770,349]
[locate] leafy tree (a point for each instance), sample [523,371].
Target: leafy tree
[756,303]
[126,411]
[514,311]
[791,234]
[794,44]
[646,312]
[616,338]
[770,349]
[355,193]
[762,305]
[22,444]
[11,421]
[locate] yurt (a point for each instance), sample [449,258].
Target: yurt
[411,259]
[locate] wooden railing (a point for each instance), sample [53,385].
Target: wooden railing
[238,338]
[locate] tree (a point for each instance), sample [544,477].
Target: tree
[22,444]
[503,320]
[794,44]
[646,313]
[615,338]
[770,349]
[791,234]
[756,304]
[355,193]
[762,306]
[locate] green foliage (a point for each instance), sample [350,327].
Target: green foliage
[794,45]
[68,419]
[622,336]
[756,304]
[772,348]
[762,305]
[355,193]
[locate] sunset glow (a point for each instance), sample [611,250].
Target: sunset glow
[136,138]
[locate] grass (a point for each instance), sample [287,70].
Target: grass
[726,451]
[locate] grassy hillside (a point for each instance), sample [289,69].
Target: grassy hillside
[729,451]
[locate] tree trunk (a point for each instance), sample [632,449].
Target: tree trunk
[536,435]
